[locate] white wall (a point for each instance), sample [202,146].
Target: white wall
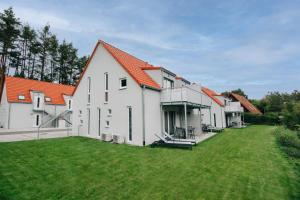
[119,100]
[23,116]
[220,115]
[152,115]
[4,109]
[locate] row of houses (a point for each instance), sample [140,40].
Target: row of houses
[120,95]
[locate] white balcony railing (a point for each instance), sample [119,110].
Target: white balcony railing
[184,94]
[234,107]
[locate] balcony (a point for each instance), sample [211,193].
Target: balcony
[232,107]
[184,94]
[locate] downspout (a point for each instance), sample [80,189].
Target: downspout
[143,114]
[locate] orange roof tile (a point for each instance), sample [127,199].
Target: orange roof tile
[21,86]
[212,95]
[246,104]
[134,66]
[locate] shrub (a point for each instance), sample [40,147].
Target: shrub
[269,118]
[292,151]
[289,141]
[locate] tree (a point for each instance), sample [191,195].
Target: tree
[78,68]
[53,51]
[9,32]
[44,40]
[27,37]
[237,91]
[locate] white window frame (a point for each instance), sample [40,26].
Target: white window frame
[37,116]
[70,104]
[107,125]
[120,83]
[89,83]
[88,121]
[106,97]
[109,112]
[130,124]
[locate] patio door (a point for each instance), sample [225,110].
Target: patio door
[169,118]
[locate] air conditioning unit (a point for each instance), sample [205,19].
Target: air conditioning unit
[108,138]
[118,139]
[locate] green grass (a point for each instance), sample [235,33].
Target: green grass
[237,164]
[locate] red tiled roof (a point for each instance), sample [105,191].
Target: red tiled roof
[212,95]
[246,104]
[21,86]
[134,66]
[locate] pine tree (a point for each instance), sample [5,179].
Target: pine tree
[44,40]
[9,33]
[53,51]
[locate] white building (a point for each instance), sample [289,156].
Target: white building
[29,103]
[224,112]
[121,96]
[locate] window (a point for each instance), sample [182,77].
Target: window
[167,83]
[38,102]
[37,120]
[69,104]
[129,123]
[107,124]
[215,120]
[123,83]
[47,99]
[106,87]
[109,112]
[21,97]
[106,97]
[89,120]
[89,90]
[106,81]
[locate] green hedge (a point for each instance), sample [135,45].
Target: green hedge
[289,141]
[269,119]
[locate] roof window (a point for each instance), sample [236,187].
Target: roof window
[21,97]
[47,99]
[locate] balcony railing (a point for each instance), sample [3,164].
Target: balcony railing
[184,94]
[234,107]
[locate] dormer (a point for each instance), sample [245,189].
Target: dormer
[69,102]
[37,100]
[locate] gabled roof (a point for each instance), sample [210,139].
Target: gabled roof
[212,94]
[21,86]
[246,104]
[134,66]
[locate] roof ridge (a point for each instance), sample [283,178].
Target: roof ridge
[28,79]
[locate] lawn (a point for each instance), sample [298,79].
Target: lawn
[236,164]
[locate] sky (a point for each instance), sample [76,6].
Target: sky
[224,45]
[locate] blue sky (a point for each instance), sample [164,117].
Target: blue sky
[253,45]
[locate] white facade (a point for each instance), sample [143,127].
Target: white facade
[30,115]
[91,110]
[134,113]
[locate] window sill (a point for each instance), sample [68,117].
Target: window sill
[123,88]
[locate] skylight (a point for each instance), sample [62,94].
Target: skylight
[47,99]
[21,97]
